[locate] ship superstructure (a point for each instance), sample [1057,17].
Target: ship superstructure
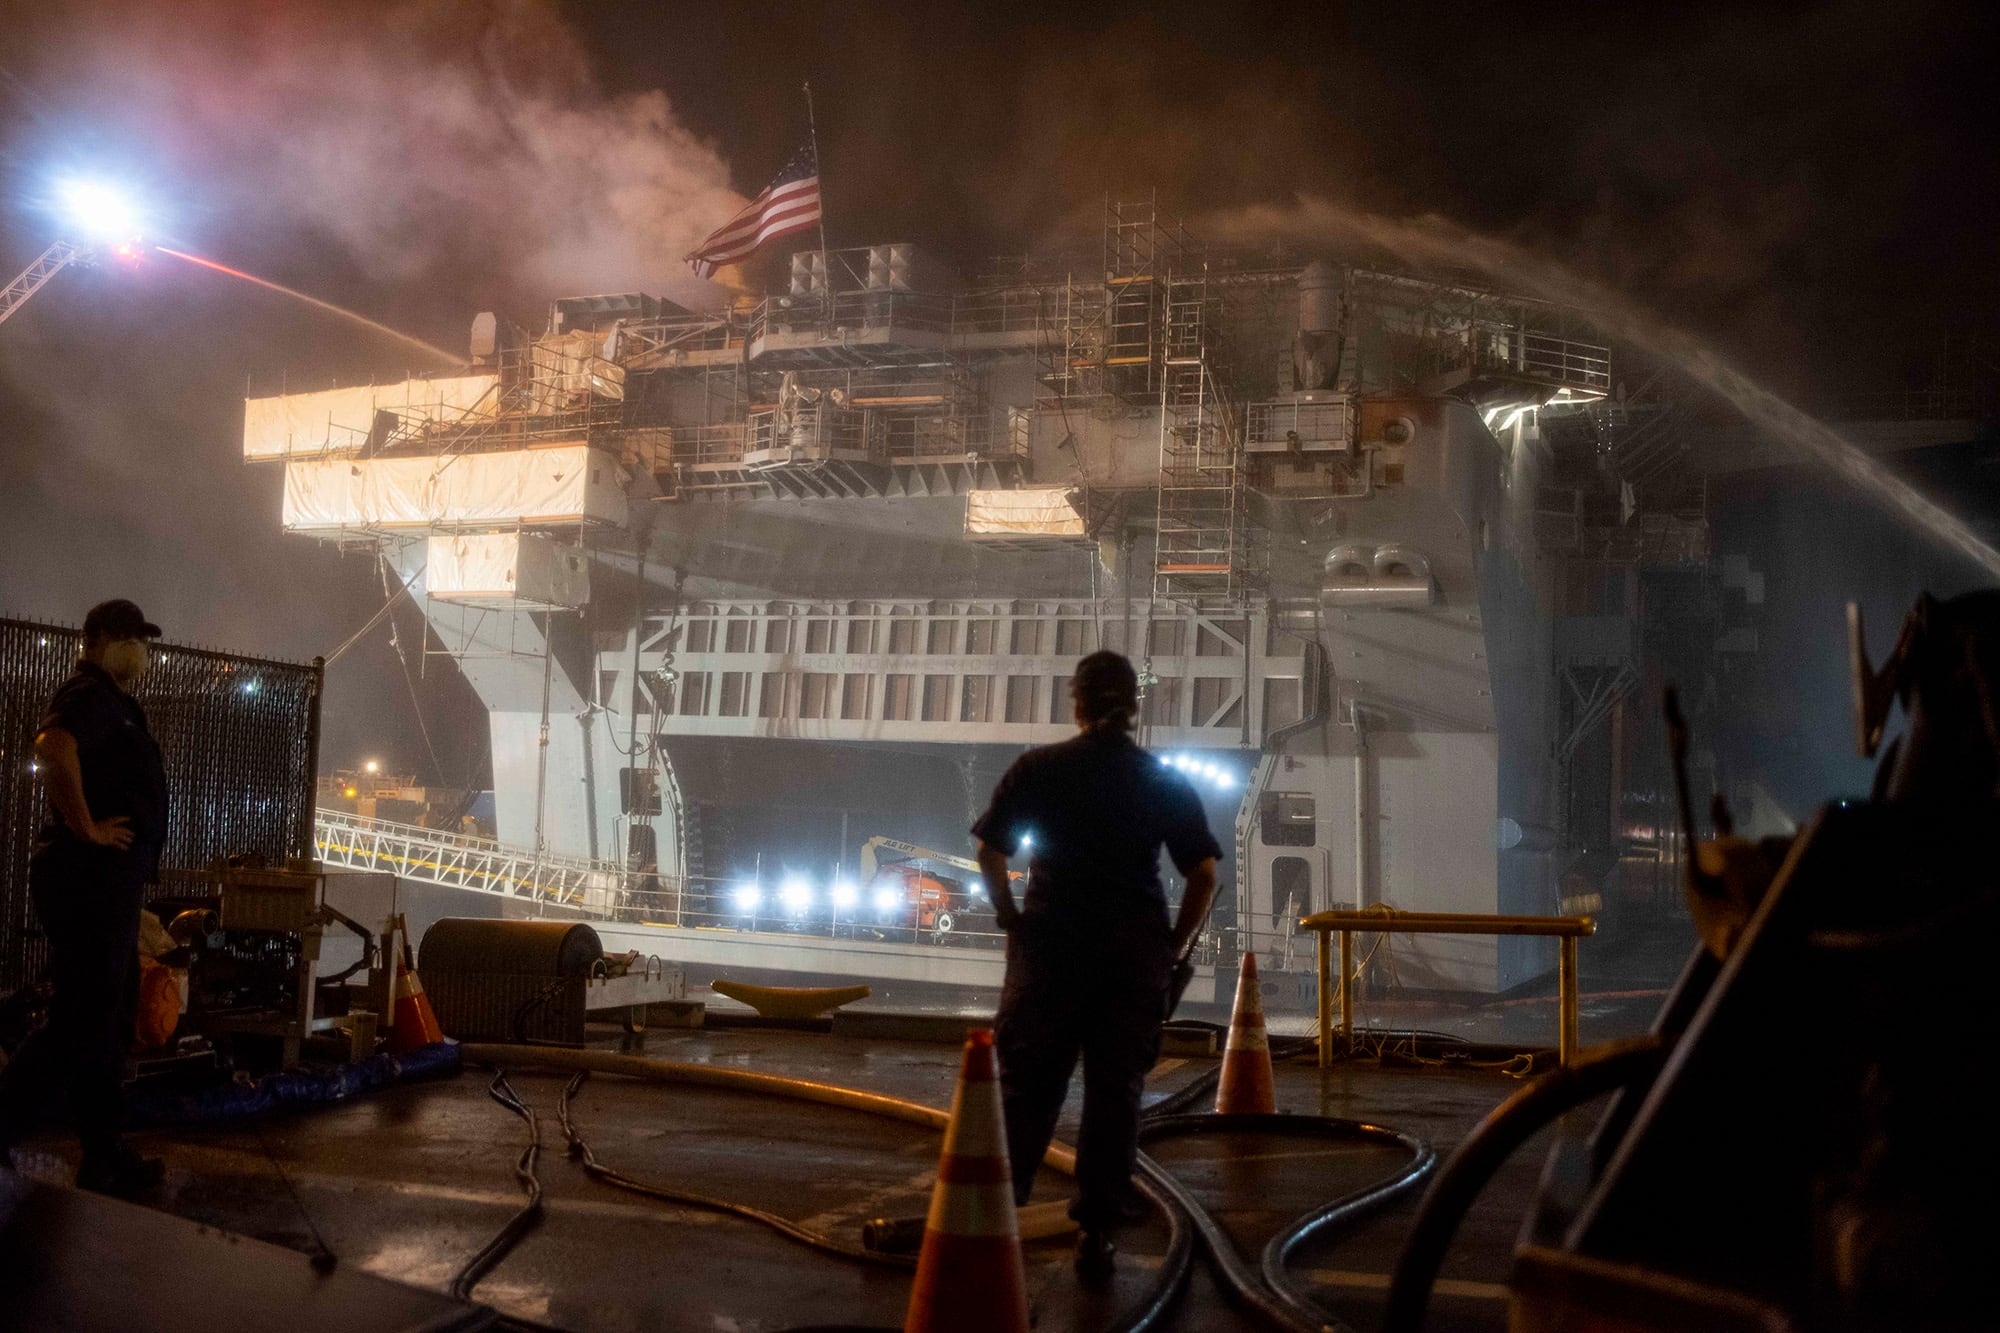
[728,577]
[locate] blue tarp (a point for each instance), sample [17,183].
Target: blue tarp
[291,1089]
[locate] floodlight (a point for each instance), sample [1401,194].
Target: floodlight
[887,900]
[747,898]
[98,211]
[844,895]
[796,894]
[373,766]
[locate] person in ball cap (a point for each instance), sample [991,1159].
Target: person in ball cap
[1090,952]
[107,798]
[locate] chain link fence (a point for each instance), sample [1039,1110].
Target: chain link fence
[239,735]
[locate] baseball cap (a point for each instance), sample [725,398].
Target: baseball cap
[1105,680]
[118,619]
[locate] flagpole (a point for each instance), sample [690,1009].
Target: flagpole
[825,266]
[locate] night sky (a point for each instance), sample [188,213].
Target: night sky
[1812,186]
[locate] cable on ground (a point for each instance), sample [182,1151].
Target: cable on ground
[530,1215]
[1185,1217]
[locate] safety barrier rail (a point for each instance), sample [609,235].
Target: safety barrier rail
[465,862]
[1566,929]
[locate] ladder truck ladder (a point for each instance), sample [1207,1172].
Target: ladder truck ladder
[52,261]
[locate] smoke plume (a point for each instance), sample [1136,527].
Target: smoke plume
[420,136]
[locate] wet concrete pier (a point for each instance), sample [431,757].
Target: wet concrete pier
[410,1183]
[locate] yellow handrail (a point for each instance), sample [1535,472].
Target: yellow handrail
[1566,929]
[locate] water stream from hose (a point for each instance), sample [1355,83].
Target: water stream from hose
[1434,242]
[342,312]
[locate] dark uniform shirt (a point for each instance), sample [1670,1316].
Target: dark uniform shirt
[122,770]
[1097,809]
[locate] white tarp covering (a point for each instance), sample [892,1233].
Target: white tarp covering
[517,569]
[566,483]
[338,420]
[1032,511]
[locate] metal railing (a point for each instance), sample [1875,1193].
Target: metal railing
[812,431]
[466,862]
[1004,310]
[1334,422]
[1563,360]
[815,313]
[1566,929]
[1001,310]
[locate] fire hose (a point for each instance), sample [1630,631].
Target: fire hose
[1277,1301]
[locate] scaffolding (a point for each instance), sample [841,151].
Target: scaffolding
[1069,348]
[1202,555]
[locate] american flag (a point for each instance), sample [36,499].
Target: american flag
[789,203]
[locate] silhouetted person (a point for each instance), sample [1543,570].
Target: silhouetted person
[107,795]
[1089,951]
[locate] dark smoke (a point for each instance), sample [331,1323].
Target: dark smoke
[413,161]
[410,134]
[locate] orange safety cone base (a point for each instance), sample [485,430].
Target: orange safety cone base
[414,1022]
[970,1278]
[948,1262]
[1247,1085]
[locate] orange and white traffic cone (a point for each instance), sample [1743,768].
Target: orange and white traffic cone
[1246,1087]
[415,1025]
[969,1275]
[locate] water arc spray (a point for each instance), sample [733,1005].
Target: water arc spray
[429,349]
[1432,242]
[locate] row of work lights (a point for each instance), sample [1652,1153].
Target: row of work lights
[1198,769]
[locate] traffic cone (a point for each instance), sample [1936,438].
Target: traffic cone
[1246,1087]
[415,1025]
[969,1275]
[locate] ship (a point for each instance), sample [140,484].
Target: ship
[742,587]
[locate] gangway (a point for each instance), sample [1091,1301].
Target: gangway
[464,861]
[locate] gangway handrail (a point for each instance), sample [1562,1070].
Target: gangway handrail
[1386,920]
[463,861]
[474,841]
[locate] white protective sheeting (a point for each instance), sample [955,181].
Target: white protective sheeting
[567,483]
[1031,511]
[523,570]
[335,421]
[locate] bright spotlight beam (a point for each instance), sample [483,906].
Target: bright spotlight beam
[98,211]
